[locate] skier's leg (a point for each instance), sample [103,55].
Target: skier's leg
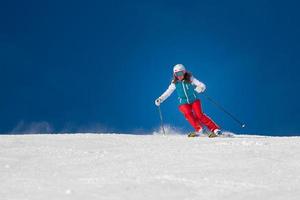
[186,110]
[204,119]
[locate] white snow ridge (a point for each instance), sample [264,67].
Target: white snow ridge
[148,167]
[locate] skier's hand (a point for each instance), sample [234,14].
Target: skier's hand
[200,88]
[158,102]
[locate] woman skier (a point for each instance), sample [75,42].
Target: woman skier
[189,104]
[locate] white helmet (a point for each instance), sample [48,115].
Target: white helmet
[178,68]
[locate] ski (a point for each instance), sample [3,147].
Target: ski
[211,135]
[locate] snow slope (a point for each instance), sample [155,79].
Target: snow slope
[135,167]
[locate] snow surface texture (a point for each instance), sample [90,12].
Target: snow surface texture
[135,167]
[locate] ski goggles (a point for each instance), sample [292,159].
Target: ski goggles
[179,73]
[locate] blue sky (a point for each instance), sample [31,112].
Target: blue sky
[99,65]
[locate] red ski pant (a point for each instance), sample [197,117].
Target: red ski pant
[193,113]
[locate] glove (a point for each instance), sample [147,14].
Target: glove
[158,102]
[200,88]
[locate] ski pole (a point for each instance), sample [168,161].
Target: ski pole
[161,120]
[225,111]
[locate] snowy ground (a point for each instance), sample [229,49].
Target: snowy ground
[143,167]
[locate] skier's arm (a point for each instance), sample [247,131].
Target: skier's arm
[168,92]
[200,87]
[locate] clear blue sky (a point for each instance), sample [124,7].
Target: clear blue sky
[95,65]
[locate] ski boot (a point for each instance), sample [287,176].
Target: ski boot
[193,134]
[215,133]
[196,134]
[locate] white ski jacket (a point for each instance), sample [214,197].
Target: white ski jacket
[185,90]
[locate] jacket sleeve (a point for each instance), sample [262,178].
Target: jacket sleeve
[168,92]
[197,83]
